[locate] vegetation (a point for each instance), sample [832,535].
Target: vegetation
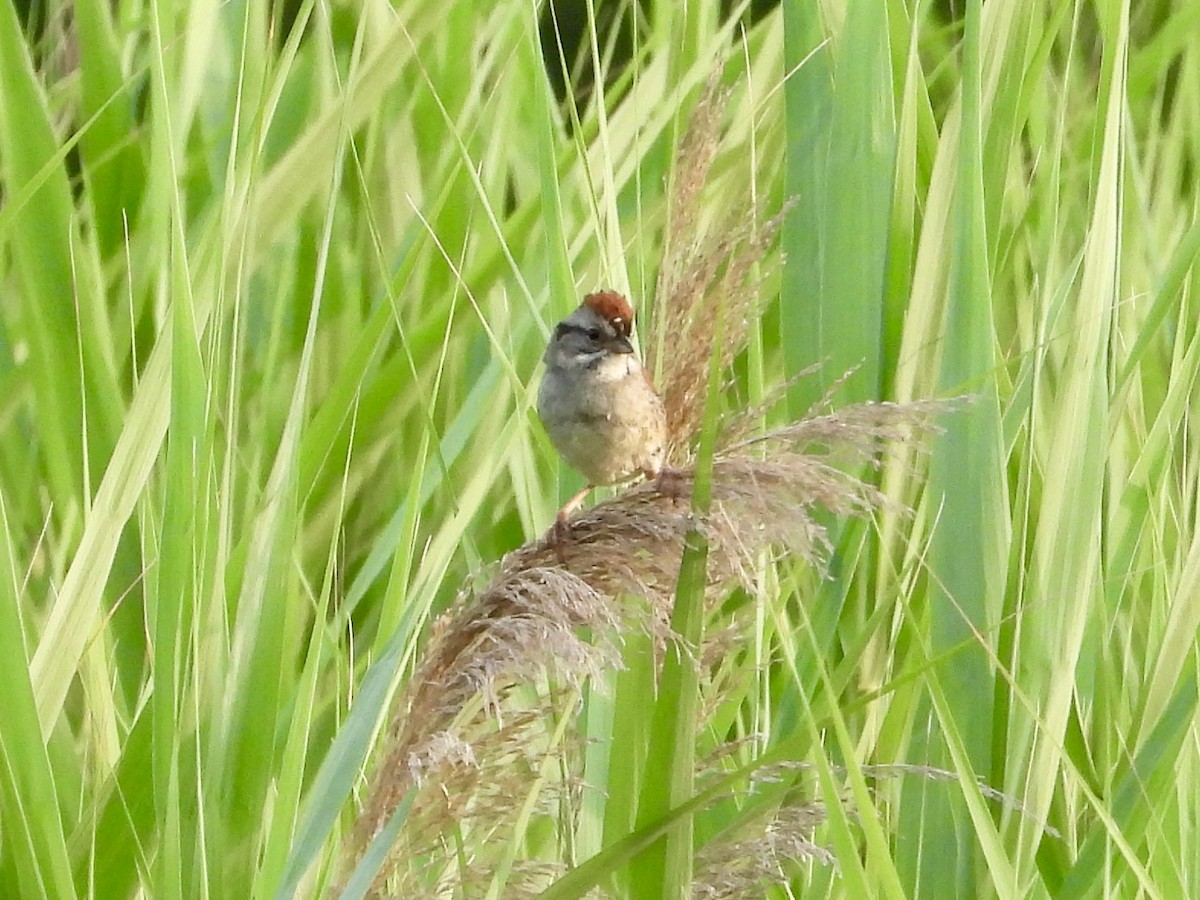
[275,604]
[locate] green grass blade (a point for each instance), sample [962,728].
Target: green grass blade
[35,857]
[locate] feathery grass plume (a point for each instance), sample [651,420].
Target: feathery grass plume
[729,869]
[531,617]
[766,848]
[703,270]
[527,619]
[474,789]
[561,608]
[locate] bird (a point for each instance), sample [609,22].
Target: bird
[596,400]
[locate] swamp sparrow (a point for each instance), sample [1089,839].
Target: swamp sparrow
[596,401]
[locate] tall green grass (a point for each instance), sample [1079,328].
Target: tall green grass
[274,293]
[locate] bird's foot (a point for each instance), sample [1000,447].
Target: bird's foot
[560,532]
[672,483]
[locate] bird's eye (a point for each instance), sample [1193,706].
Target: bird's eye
[593,334]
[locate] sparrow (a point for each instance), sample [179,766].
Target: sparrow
[596,401]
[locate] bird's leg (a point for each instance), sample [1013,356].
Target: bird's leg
[571,505]
[562,522]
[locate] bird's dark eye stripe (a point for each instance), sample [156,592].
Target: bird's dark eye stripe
[591,333]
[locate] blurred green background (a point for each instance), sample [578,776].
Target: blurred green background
[275,283]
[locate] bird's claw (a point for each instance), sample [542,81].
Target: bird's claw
[671,482]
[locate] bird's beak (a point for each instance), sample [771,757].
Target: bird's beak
[620,344]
